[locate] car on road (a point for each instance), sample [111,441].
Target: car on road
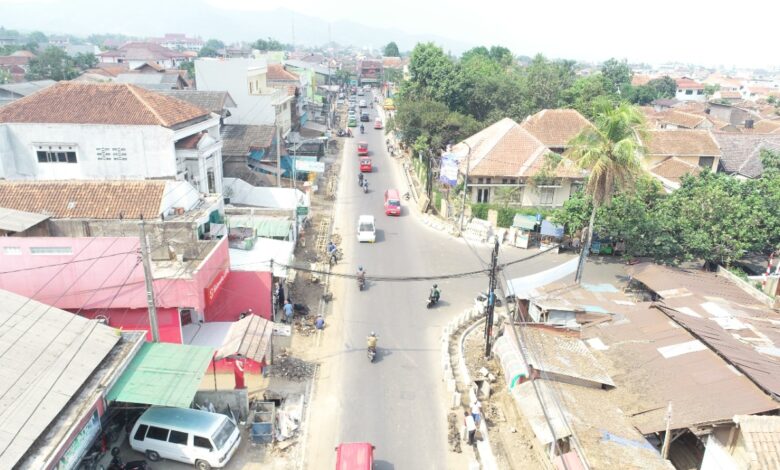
[378,123]
[363,103]
[365,165]
[362,148]
[352,121]
[360,92]
[364,117]
[355,456]
[389,104]
[392,202]
[366,229]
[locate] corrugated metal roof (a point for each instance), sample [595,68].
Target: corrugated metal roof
[163,374]
[18,221]
[249,337]
[268,227]
[46,355]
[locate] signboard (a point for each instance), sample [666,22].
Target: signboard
[80,444]
[449,170]
[302,210]
[210,293]
[315,167]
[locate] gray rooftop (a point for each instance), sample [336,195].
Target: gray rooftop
[214,101]
[238,140]
[741,153]
[46,355]
[27,88]
[18,221]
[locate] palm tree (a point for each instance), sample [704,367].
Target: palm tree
[611,151]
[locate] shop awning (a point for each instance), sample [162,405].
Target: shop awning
[163,374]
[249,338]
[525,222]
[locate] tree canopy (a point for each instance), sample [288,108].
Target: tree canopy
[271,44]
[53,63]
[391,50]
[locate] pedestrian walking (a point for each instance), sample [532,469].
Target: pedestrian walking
[476,412]
[288,311]
[319,323]
[471,427]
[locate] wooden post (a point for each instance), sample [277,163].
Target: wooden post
[667,437]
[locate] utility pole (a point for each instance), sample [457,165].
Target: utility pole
[278,158]
[429,179]
[146,257]
[491,301]
[465,188]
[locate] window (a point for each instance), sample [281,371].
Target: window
[688,92]
[51,250]
[56,157]
[576,186]
[224,433]
[202,442]
[483,195]
[178,437]
[546,196]
[706,162]
[12,250]
[480,180]
[161,434]
[141,432]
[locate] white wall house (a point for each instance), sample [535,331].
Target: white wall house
[689,90]
[109,132]
[245,80]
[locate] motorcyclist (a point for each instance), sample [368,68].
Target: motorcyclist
[360,179]
[362,129]
[435,294]
[365,185]
[361,275]
[371,341]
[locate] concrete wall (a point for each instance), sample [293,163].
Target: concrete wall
[531,196]
[145,151]
[237,400]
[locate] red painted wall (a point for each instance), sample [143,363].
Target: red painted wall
[241,291]
[138,319]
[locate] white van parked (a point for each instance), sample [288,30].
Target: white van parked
[204,439]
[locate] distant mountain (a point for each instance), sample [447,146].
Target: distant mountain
[149,18]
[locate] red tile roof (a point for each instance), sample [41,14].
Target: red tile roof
[673,169]
[555,128]
[99,103]
[278,72]
[84,199]
[685,83]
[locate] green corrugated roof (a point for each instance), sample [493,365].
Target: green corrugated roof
[266,227]
[524,221]
[163,374]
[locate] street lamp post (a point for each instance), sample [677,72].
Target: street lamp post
[465,187]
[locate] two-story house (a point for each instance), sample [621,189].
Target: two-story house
[135,54]
[90,131]
[689,90]
[506,164]
[247,82]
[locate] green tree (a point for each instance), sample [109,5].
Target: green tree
[270,44]
[214,44]
[189,66]
[85,61]
[432,124]
[391,50]
[53,63]
[5,76]
[710,90]
[586,92]
[665,87]
[618,75]
[432,75]
[544,83]
[207,51]
[37,37]
[343,76]
[611,153]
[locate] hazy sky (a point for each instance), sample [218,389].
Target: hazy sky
[711,32]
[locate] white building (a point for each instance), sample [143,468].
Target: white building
[689,90]
[246,81]
[90,131]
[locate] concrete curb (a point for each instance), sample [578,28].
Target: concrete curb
[473,319]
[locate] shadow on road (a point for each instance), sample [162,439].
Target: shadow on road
[383,465]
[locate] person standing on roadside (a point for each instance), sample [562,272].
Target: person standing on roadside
[476,412]
[288,311]
[471,427]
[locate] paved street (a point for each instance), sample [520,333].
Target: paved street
[397,403]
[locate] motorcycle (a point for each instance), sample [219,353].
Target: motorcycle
[361,283]
[371,354]
[117,464]
[360,179]
[406,196]
[432,301]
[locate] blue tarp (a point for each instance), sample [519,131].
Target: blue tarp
[552,230]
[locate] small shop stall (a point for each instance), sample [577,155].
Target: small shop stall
[551,235]
[522,234]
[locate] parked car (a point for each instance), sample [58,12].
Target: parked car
[366,229]
[355,456]
[378,123]
[207,440]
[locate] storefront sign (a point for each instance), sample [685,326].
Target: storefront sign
[315,167]
[80,444]
[212,291]
[302,210]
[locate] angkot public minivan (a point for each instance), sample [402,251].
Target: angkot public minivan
[204,439]
[392,202]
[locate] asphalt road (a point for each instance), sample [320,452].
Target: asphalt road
[397,403]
